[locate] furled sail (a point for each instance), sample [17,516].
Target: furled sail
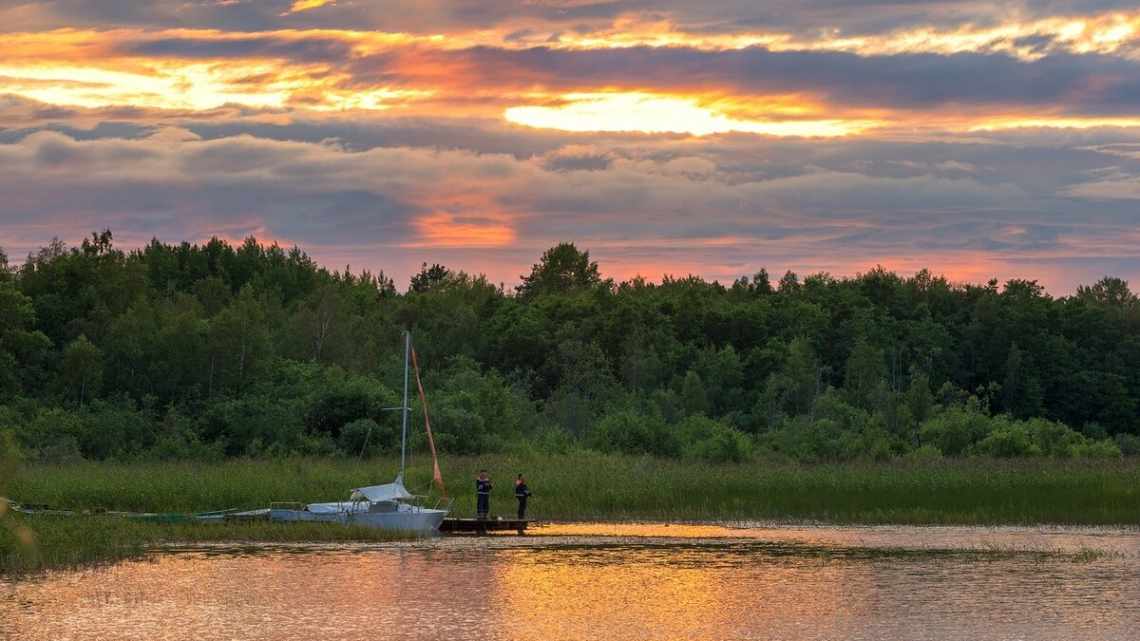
[394,491]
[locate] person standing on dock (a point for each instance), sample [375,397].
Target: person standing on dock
[483,494]
[521,493]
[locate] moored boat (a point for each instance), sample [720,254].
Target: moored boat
[389,506]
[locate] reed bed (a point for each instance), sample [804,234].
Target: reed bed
[592,486]
[580,486]
[66,542]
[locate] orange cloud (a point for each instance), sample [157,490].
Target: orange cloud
[337,70]
[449,230]
[306,5]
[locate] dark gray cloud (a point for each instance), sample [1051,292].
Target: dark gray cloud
[434,16]
[304,50]
[1083,83]
[105,129]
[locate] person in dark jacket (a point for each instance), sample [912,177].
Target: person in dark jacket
[483,494]
[522,492]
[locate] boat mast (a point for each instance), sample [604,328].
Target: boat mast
[404,407]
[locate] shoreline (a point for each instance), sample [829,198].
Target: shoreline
[572,488]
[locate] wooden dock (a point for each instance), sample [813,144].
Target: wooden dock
[483,526]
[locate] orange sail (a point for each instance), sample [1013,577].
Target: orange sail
[436,475]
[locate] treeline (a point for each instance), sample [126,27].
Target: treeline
[209,351]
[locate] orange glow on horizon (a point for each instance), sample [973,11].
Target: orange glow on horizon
[448,230]
[647,113]
[1058,122]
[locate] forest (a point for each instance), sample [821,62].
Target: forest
[212,351]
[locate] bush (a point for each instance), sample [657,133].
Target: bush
[458,428]
[472,412]
[344,401]
[255,424]
[956,429]
[1008,441]
[709,440]
[630,432]
[1054,439]
[876,446]
[115,431]
[183,446]
[366,437]
[925,453]
[802,439]
[1103,448]
[548,439]
[52,435]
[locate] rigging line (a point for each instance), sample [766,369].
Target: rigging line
[437,476]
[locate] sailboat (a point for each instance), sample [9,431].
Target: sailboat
[389,506]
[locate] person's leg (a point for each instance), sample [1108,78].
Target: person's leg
[522,507]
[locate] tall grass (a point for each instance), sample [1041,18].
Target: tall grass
[60,542]
[593,486]
[567,487]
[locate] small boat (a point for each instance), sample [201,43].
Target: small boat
[389,506]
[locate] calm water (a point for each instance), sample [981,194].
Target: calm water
[611,582]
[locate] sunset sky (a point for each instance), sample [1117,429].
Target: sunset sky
[979,139]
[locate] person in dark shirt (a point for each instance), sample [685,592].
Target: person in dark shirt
[483,494]
[522,492]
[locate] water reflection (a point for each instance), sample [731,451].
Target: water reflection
[605,582]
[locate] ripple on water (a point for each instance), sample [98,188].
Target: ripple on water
[613,581]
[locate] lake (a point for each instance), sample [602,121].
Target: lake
[614,582]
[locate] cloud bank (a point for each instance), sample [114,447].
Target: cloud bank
[977,139]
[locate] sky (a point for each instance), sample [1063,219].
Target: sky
[977,139]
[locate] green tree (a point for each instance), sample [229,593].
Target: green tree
[722,373]
[1109,292]
[213,293]
[22,347]
[792,390]
[693,396]
[562,268]
[1020,391]
[865,375]
[805,373]
[430,278]
[82,368]
[321,320]
[919,402]
[789,283]
[251,349]
[238,341]
[641,366]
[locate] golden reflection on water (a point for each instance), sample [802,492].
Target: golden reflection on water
[672,596]
[594,581]
[1063,539]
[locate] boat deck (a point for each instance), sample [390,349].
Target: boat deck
[483,526]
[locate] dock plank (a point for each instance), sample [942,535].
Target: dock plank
[483,526]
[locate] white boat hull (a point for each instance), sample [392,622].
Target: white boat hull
[408,518]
